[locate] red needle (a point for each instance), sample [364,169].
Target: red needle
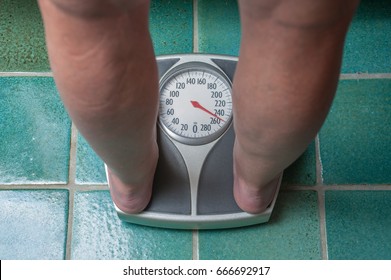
[197,105]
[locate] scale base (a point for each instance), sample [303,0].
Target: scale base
[179,203]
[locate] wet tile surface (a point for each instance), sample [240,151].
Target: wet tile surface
[358,224]
[355,140]
[35,132]
[33,224]
[99,234]
[292,233]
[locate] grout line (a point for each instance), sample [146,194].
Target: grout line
[71,183]
[365,76]
[321,203]
[91,187]
[319,166]
[195,27]
[33,186]
[322,224]
[68,245]
[43,186]
[72,157]
[196,243]
[374,187]
[26,74]
[346,187]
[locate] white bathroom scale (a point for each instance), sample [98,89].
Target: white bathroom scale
[193,183]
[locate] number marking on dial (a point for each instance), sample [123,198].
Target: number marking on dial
[196,103]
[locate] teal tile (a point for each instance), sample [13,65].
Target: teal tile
[218,27]
[22,39]
[303,171]
[89,167]
[99,234]
[292,233]
[355,139]
[367,47]
[171,26]
[358,224]
[35,132]
[33,224]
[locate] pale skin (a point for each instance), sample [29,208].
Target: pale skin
[103,64]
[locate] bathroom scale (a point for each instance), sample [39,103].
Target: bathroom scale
[193,183]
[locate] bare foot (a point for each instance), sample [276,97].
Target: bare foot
[133,198]
[254,200]
[252,194]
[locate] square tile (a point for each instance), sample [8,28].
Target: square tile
[171,26]
[367,46]
[292,233]
[355,139]
[89,167]
[218,27]
[22,38]
[35,132]
[99,234]
[358,224]
[33,224]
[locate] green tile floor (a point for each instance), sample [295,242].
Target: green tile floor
[54,202]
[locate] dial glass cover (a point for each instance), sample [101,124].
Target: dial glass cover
[195,104]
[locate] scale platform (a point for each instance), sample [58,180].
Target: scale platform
[193,183]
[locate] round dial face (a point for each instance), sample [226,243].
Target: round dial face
[195,104]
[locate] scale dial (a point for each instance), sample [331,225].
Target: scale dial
[195,103]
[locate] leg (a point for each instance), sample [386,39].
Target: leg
[104,66]
[285,82]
